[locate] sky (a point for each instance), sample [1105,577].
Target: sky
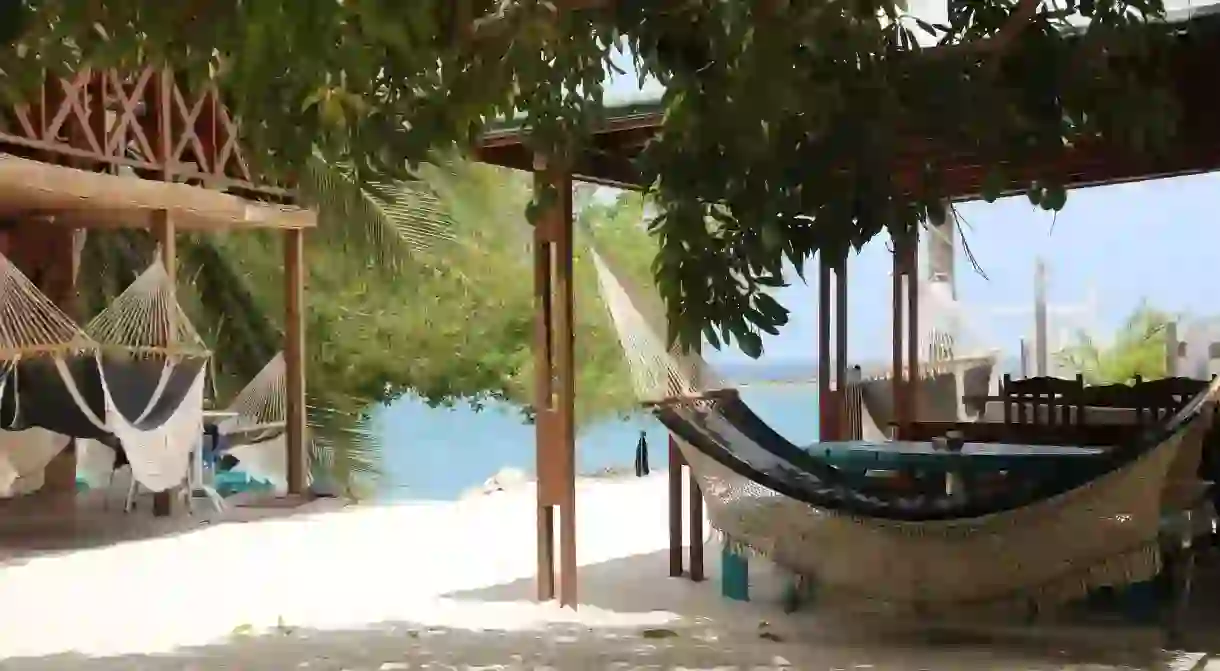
[1109,249]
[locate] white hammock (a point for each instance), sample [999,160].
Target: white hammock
[257,428]
[146,324]
[24,456]
[261,406]
[31,326]
[1051,551]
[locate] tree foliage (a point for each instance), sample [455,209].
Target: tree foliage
[1138,348]
[789,127]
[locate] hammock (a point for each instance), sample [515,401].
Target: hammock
[32,332]
[137,386]
[1039,545]
[153,366]
[256,433]
[25,455]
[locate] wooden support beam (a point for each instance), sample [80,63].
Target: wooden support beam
[675,509]
[1041,329]
[693,533]
[163,230]
[1173,350]
[898,383]
[555,384]
[841,410]
[50,257]
[294,361]
[826,421]
[911,395]
[694,504]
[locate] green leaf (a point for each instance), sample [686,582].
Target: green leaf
[1055,198]
[1034,194]
[770,308]
[993,184]
[750,344]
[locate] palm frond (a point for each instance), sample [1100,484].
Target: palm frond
[345,448]
[233,320]
[392,223]
[115,258]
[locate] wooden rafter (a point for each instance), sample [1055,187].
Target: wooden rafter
[106,119]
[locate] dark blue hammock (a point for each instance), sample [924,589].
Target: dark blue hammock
[725,429]
[37,394]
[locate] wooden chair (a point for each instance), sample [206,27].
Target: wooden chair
[1156,400]
[1024,399]
[1110,396]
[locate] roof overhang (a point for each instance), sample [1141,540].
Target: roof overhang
[609,158]
[89,199]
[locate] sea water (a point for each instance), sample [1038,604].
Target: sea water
[439,453]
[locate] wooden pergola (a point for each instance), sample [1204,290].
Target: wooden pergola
[108,149]
[610,160]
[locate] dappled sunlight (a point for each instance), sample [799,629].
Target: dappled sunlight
[451,585]
[340,570]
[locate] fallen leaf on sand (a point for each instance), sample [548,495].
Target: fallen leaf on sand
[658,633]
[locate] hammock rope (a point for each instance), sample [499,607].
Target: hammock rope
[148,319]
[263,402]
[30,323]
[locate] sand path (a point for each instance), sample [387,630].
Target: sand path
[446,586]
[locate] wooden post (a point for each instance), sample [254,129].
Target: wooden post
[675,509]
[555,383]
[911,397]
[825,400]
[897,385]
[1041,331]
[163,230]
[843,432]
[695,510]
[1173,349]
[49,256]
[294,361]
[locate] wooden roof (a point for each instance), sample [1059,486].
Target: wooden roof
[626,130]
[105,149]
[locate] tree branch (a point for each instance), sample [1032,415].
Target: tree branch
[997,45]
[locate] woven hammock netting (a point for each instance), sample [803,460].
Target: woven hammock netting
[30,323]
[148,319]
[262,405]
[132,380]
[1056,549]
[256,430]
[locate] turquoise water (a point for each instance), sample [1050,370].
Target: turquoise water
[437,453]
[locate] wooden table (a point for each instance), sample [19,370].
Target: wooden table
[857,454]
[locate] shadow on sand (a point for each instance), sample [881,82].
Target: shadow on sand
[29,531]
[698,631]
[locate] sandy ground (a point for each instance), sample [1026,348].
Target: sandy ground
[449,586]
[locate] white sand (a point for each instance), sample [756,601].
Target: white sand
[396,587]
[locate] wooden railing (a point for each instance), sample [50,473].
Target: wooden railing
[105,120]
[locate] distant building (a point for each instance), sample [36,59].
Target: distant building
[1199,348]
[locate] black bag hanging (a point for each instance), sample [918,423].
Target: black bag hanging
[641,456]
